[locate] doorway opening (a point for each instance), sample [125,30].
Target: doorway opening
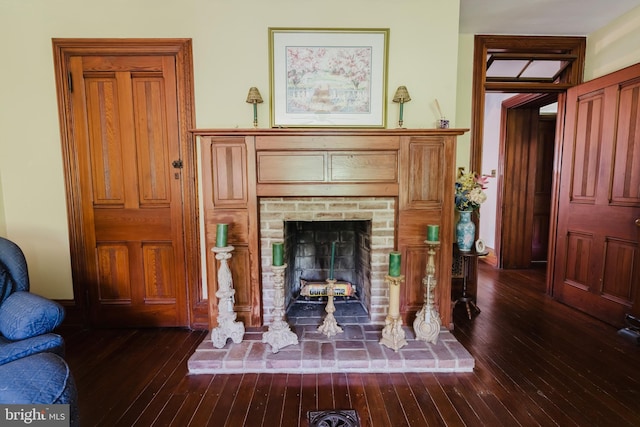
[126,108]
[528,72]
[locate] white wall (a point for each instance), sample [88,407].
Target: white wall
[230,49]
[614,46]
[490,157]
[463,100]
[3,223]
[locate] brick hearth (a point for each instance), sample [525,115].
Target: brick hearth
[357,349]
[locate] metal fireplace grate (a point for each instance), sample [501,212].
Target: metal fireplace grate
[334,418]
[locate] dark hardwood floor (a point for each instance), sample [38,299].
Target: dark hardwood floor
[538,362]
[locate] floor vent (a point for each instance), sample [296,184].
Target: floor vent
[334,418]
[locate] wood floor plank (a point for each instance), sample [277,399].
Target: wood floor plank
[275,403]
[425,402]
[238,413]
[172,370]
[446,409]
[256,412]
[308,397]
[517,400]
[168,412]
[341,398]
[545,330]
[291,409]
[412,411]
[196,386]
[120,384]
[325,393]
[392,405]
[224,404]
[472,392]
[451,386]
[358,397]
[202,414]
[375,399]
[537,362]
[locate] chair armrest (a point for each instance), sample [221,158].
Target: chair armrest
[47,343]
[25,315]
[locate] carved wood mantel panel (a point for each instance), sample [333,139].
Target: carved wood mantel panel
[415,166]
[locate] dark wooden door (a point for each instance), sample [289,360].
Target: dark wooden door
[543,186]
[597,265]
[125,131]
[519,152]
[526,158]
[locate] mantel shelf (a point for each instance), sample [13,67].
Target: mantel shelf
[326,131]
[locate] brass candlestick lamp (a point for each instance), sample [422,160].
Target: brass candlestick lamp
[401,96]
[254,98]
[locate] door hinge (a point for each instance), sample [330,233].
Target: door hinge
[70,81]
[177,164]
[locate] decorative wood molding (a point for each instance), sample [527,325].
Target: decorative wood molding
[417,166]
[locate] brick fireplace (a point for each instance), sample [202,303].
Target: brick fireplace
[399,179]
[380,211]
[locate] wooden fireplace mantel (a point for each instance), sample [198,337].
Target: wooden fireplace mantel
[416,166]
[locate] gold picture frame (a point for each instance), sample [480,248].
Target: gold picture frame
[322,77]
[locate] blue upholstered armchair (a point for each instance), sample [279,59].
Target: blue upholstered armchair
[32,370]
[26,320]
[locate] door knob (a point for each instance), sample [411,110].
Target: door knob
[638,222]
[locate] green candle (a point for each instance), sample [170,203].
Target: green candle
[394,264]
[278,254]
[333,256]
[432,232]
[221,235]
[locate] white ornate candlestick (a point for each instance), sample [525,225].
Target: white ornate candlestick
[330,326]
[279,334]
[393,334]
[227,326]
[427,323]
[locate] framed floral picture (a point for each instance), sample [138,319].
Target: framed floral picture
[328,77]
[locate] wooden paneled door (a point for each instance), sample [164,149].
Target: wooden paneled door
[597,263]
[543,186]
[518,151]
[526,165]
[127,158]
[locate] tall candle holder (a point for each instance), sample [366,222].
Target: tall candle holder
[279,334]
[392,334]
[427,323]
[330,326]
[227,326]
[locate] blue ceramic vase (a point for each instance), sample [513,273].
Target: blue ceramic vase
[465,231]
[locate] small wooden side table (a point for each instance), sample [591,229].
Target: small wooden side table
[467,299]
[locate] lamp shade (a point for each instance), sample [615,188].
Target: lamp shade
[254,96]
[402,95]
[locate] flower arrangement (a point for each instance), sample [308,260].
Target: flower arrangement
[470,191]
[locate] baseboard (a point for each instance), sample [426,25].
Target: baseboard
[74,317]
[490,258]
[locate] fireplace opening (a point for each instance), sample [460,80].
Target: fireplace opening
[308,245]
[378,212]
